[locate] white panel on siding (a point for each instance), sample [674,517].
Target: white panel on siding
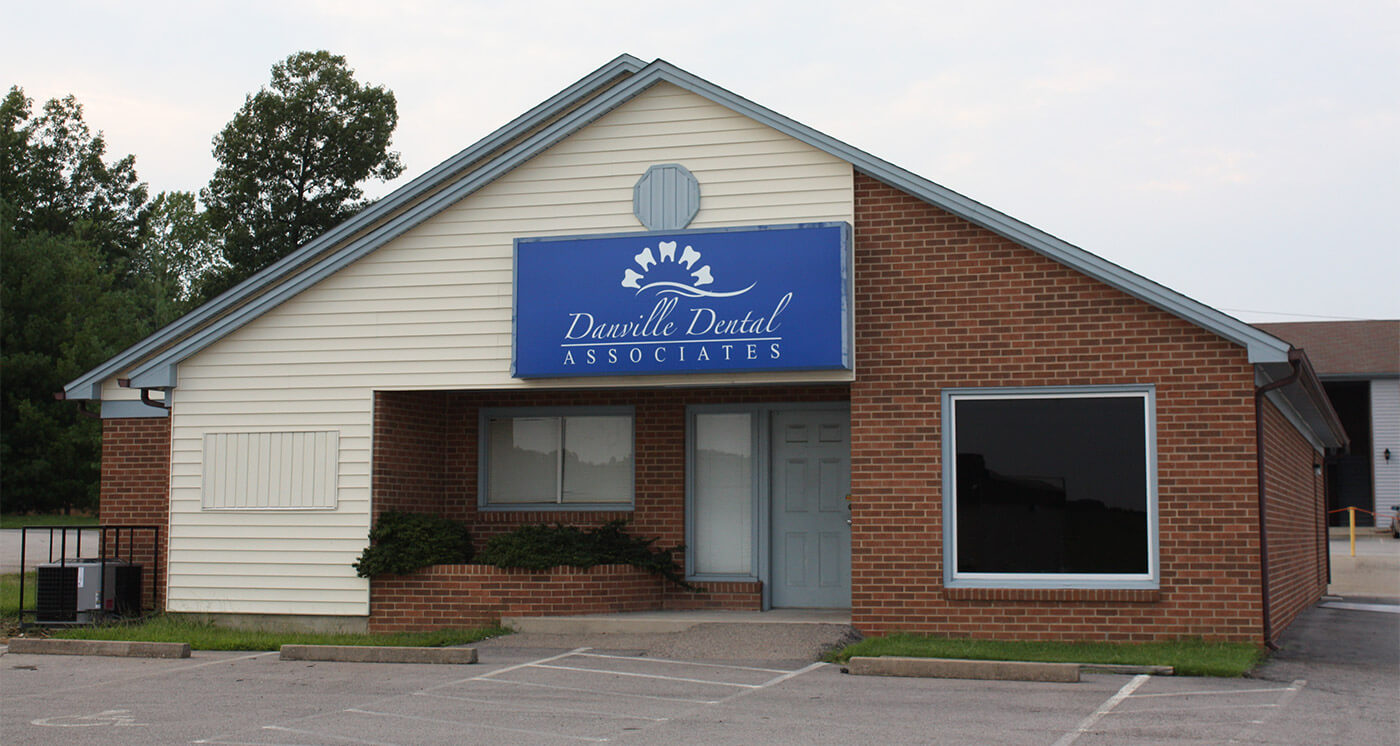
[432,310]
[270,470]
[1385,433]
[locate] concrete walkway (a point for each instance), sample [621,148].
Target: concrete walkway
[782,635]
[1374,571]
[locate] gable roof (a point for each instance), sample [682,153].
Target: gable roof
[1349,349]
[152,362]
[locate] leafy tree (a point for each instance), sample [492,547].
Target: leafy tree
[53,176]
[71,225]
[292,158]
[178,254]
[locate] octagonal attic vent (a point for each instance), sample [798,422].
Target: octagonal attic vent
[666,198]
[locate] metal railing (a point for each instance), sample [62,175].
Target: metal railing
[108,536]
[1351,523]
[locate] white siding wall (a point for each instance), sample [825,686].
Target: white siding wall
[432,310]
[1385,433]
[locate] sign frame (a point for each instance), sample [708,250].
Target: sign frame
[837,345]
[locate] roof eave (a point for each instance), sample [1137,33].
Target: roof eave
[89,385]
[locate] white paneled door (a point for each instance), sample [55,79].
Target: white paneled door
[811,533]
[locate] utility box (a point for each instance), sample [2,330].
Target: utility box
[84,590]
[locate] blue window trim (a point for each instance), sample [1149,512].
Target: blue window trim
[1150,580]
[483,458]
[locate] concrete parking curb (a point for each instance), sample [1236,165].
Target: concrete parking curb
[953,668]
[376,654]
[115,648]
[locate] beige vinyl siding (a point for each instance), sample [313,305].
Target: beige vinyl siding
[432,310]
[1385,433]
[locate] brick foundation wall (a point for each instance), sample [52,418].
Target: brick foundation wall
[941,303]
[135,490]
[474,595]
[1296,510]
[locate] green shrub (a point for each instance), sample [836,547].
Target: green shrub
[400,543]
[540,547]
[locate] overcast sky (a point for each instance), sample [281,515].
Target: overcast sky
[1246,154]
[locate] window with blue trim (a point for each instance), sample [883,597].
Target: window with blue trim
[1051,487]
[563,461]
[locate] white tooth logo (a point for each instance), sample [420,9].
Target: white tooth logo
[647,261]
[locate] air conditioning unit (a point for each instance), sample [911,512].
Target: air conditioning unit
[81,590]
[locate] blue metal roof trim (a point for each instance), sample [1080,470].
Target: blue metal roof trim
[600,78]
[159,370]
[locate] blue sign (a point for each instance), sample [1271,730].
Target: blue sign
[701,301]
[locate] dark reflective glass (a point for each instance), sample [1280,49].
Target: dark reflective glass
[1052,485]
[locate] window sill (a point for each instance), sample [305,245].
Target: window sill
[560,508]
[1115,595]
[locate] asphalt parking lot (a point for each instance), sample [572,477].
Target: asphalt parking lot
[1337,680]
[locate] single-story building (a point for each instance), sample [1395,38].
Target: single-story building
[1359,365]
[837,383]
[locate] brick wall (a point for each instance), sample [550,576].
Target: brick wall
[474,595]
[409,447]
[135,490]
[942,303]
[412,473]
[1296,510]
[402,457]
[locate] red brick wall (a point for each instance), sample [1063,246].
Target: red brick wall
[1296,510]
[941,303]
[474,595]
[135,490]
[660,452]
[409,447]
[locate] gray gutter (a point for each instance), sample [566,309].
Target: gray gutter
[89,385]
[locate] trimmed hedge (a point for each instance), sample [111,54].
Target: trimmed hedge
[539,547]
[403,542]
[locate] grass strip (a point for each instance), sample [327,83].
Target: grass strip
[204,635]
[1188,657]
[13,520]
[9,594]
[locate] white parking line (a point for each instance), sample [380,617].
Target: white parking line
[1247,733]
[1214,692]
[791,674]
[595,691]
[647,676]
[111,683]
[1104,709]
[319,734]
[537,709]
[683,663]
[507,669]
[477,725]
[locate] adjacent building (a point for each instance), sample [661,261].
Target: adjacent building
[1359,364]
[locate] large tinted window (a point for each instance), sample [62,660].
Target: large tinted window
[1051,485]
[562,461]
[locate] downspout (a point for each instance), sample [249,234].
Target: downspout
[145,395]
[1295,360]
[148,401]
